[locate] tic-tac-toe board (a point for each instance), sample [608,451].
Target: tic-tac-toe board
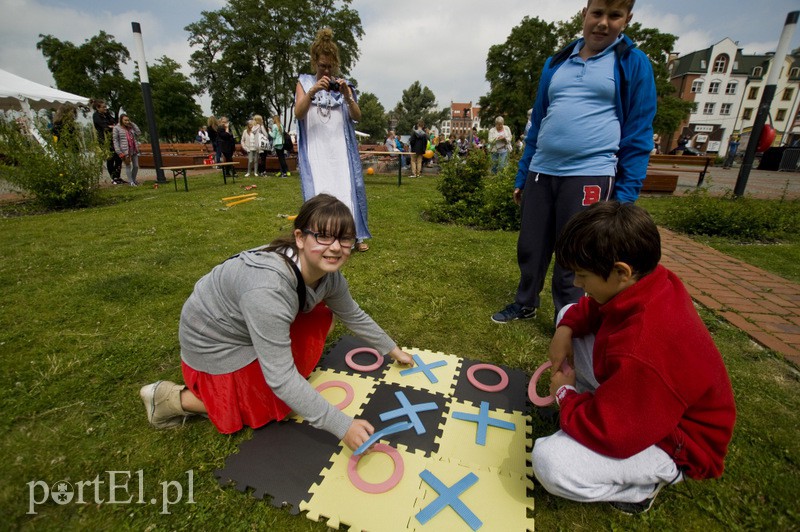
[452,447]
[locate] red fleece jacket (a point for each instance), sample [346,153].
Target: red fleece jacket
[662,379]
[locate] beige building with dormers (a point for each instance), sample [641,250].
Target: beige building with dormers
[726,87]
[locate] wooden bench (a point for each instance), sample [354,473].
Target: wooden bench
[381,153]
[181,169]
[679,163]
[658,181]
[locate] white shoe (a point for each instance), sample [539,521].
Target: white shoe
[247,174]
[162,401]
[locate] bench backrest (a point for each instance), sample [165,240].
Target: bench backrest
[372,147]
[684,160]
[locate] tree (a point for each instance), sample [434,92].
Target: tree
[251,51]
[417,103]
[178,115]
[91,69]
[373,118]
[512,70]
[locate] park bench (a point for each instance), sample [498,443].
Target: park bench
[174,154]
[682,163]
[379,153]
[181,169]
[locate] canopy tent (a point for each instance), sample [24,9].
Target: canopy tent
[17,92]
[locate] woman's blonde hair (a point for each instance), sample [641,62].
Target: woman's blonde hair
[324,45]
[258,120]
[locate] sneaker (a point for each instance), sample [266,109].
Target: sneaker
[288,174]
[512,312]
[134,183]
[284,175]
[247,174]
[162,401]
[635,508]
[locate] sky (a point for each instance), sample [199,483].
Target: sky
[443,44]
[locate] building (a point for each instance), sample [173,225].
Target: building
[463,117]
[726,87]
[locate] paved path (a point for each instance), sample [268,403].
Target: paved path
[763,305]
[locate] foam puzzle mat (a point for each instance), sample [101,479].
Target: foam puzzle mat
[452,451]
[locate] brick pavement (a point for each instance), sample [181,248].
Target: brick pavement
[763,305]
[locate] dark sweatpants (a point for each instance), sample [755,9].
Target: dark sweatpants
[548,202]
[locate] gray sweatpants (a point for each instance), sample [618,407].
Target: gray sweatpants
[568,469]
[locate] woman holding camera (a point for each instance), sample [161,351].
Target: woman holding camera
[326,109]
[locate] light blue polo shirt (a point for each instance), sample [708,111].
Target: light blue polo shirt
[580,134]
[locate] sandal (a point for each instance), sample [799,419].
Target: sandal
[362,246]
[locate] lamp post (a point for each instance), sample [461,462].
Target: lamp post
[766,101]
[148,101]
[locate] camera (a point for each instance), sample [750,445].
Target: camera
[333,85]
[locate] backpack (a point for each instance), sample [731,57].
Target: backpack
[288,147]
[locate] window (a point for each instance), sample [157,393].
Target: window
[697,85]
[725,108]
[757,71]
[787,94]
[747,114]
[731,88]
[753,94]
[794,73]
[721,63]
[703,63]
[713,87]
[780,116]
[708,108]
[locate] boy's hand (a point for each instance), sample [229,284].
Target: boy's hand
[561,347]
[360,430]
[560,378]
[401,356]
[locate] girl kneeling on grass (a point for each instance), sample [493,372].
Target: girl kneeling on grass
[255,327]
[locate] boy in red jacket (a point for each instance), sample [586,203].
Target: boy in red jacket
[649,399]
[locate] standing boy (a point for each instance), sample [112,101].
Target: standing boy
[590,139]
[649,399]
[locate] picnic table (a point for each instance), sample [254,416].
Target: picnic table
[181,169]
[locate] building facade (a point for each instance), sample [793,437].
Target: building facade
[726,87]
[463,117]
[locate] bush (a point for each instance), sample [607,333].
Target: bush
[62,173]
[745,219]
[474,197]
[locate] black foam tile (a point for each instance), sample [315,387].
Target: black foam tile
[513,398]
[334,358]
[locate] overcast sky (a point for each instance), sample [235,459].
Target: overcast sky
[442,44]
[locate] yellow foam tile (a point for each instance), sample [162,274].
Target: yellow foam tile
[446,375]
[338,501]
[500,501]
[362,386]
[505,449]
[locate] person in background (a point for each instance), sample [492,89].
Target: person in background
[212,129]
[278,302]
[104,123]
[278,135]
[500,139]
[419,144]
[202,136]
[250,147]
[126,144]
[590,140]
[390,142]
[227,145]
[326,107]
[733,146]
[261,136]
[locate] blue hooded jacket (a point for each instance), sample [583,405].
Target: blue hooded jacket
[636,107]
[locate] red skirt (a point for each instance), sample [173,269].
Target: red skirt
[243,397]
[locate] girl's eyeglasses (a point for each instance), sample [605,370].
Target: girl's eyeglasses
[326,240]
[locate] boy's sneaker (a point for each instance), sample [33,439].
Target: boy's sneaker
[512,312]
[162,401]
[635,508]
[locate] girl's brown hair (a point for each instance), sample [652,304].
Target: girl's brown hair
[322,213]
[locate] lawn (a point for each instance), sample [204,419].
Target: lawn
[90,305]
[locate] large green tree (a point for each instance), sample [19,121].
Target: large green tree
[513,70]
[417,102]
[178,114]
[373,118]
[249,53]
[92,69]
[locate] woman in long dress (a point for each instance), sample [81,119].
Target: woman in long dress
[326,108]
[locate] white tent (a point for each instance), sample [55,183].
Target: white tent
[17,92]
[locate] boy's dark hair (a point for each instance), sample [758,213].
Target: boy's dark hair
[609,232]
[625,4]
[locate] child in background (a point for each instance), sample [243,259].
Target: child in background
[649,399]
[254,328]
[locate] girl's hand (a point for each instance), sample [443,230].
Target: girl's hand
[401,356]
[360,430]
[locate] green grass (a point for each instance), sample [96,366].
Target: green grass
[90,305]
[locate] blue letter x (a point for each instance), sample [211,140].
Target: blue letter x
[426,368]
[483,420]
[449,497]
[409,410]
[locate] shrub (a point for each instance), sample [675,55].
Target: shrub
[745,218]
[59,173]
[473,196]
